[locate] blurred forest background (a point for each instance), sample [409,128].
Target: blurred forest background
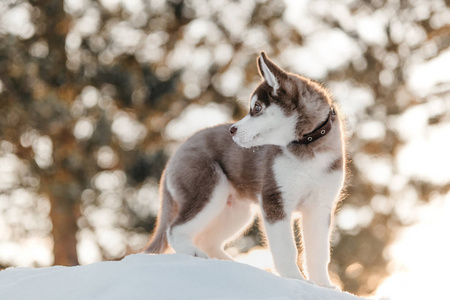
[96,95]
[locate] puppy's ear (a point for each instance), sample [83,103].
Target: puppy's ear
[270,72]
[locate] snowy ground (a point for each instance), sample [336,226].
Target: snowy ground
[169,276]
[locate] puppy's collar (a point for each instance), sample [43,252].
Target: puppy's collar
[320,131]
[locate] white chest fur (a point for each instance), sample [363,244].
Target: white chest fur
[307,182]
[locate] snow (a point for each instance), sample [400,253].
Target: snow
[165,276]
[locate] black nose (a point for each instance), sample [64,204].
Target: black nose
[233,130]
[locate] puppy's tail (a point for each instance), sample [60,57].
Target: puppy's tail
[158,242]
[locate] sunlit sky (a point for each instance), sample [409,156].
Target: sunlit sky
[419,256]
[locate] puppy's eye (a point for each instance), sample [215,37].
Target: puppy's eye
[257,108]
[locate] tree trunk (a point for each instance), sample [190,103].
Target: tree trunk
[64,221]
[60,181]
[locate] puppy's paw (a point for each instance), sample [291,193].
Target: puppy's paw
[198,253]
[192,251]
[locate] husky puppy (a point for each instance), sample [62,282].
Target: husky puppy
[286,154]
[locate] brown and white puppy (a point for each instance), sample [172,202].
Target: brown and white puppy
[287,154]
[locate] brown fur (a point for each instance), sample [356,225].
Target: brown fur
[196,176]
[338,164]
[309,100]
[272,201]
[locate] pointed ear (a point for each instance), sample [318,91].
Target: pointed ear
[270,72]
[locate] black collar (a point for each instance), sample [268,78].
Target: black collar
[320,131]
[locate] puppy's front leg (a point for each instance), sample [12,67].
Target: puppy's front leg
[316,239]
[282,245]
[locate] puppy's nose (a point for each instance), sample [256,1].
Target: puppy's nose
[233,130]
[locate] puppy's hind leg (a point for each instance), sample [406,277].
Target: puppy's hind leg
[234,218]
[199,208]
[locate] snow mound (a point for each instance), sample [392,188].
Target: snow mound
[168,276]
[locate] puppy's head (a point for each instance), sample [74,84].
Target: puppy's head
[283,107]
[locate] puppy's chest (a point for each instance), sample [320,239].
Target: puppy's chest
[297,178]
